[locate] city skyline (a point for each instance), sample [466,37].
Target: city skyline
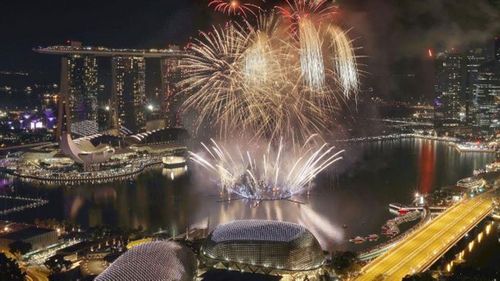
[398,46]
[204,140]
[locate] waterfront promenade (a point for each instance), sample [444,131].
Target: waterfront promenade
[423,247]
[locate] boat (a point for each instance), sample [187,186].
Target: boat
[390,229]
[357,240]
[174,161]
[474,147]
[372,237]
[391,232]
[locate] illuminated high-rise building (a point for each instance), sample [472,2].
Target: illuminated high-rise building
[450,89]
[486,101]
[126,112]
[129,92]
[474,58]
[171,75]
[81,77]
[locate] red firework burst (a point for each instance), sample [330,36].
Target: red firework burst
[296,9]
[234,7]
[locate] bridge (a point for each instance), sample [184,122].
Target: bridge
[404,122]
[426,245]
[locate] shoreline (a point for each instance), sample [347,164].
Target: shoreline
[454,142]
[103,179]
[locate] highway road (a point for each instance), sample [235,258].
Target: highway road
[427,244]
[34,273]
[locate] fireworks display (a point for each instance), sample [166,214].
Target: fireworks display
[280,77]
[311,56]
[297,10]
[344,61]
[234,7]
[264,80]
[274,174]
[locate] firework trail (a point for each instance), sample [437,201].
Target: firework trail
[266,175]
[311,56]
[296,10]
[257,80]
[213,76]
[260,80]
[344,61]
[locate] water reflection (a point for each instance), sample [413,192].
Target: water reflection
[427,167]
[174,173]
[469,248]
[4,183]
[355,193]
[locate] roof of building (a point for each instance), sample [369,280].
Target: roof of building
[108,52]
[257,244]
[26,233]
[76,247]
[165,261]
[257,230]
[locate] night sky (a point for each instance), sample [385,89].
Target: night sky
[394,34]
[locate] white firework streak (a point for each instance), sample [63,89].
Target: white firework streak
[272,174]
[344,61]
[259,80]
[311,56]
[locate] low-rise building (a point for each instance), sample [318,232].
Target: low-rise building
[38,237]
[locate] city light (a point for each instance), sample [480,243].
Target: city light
[292,139]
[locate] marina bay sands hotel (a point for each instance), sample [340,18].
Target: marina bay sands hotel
[127,107]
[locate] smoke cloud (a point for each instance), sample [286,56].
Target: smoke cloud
[396,34]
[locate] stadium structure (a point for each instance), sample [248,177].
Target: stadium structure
[155,261]
[266,247]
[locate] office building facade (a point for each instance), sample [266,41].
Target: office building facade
[486,100]
[81,77]
[129,92]
[450,89]
[172,100]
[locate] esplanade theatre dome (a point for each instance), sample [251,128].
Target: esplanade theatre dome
[263,244]
[155,261]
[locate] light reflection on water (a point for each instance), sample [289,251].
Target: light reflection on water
[355,193]
[480,248]
[4,183]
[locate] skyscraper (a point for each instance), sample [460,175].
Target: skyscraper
[486,102]
[171,75]
[129,92]
[85,86]
[474,58]
[80,75]
[450,89]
